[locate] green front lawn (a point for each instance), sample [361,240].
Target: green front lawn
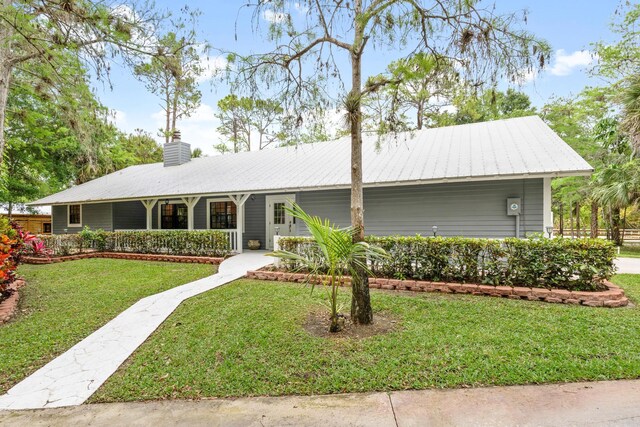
[630,251]
[63,303]
[247,339]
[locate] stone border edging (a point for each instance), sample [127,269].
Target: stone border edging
[124,255]
[613,297]
[9,305]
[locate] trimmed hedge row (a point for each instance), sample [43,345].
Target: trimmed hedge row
[573,264]
[211,243]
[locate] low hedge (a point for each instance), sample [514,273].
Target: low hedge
[173,242]
[573,264]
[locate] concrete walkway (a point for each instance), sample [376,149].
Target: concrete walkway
[74,376]
[628,265]
[612,403]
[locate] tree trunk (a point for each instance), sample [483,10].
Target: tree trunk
[571,220]
[174,113]
[10,210]
[5,81]
[578,226]
[561,220]
[616,236]
[594,220]
[361,311]
[419,117]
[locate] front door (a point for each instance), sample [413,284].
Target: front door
[279,221]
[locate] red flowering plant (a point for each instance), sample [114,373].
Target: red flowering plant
[14,243]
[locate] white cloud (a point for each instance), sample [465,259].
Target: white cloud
[565,63]
[274,17]
[302,9]
[526,76]
[119,119]
[212,66]
[199,130]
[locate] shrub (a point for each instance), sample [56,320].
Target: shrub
[14,243]
[574,264]
[171,242]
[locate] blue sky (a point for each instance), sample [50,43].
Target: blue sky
[570,27]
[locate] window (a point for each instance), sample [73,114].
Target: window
[223,215]
[278,213]
[75,215]
[174,216]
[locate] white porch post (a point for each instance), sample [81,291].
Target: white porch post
[191,203]
[239,200]
[547,213]
[149,204]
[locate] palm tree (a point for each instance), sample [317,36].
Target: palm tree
[630,100]
[331,255]
[618,185]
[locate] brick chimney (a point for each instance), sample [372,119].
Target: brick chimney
[176,152]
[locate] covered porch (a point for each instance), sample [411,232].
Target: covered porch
[225,214]
[242,216]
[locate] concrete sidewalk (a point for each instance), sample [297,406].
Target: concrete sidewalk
[628,265]
[610,403]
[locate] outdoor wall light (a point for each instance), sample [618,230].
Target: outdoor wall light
[549,230]
[435,230]
[166,202]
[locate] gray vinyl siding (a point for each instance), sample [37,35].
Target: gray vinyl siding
[58,219]
[129,216]
[200,214]
[472,209]
[98,215]
[94,216]
[255,220]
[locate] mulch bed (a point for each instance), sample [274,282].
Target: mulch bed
[318,322]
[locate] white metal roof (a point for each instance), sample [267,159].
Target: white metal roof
[501,149]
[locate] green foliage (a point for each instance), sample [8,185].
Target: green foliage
[173,242]
[472,107]
[242,117]
[172,74]
[574,264]
[331,251]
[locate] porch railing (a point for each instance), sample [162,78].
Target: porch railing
[232,236]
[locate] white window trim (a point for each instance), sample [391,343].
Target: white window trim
[171,202]
[221,199]
[69,215]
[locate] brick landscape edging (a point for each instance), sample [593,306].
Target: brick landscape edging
[8,306]
[613,297]
[124,255]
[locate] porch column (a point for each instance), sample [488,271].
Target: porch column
[149,204]
[191,203]
[239,200]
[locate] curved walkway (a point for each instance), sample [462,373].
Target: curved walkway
[628,265]
[72,377]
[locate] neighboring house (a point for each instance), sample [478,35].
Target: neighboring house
[489,179]
[34,223]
